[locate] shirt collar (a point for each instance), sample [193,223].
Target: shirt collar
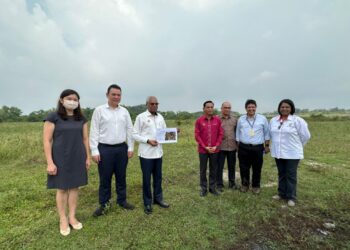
[205,117]
[288,118]
[108,107]
[223,117]
[149,113]
[254,117]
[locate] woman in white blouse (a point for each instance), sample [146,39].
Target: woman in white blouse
[289,133]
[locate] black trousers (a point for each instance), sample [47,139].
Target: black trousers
[250,156]
[231,166]
[114,160]
[287,178]
[151,168]
[213,165]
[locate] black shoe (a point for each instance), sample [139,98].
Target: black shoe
[148,209]
[127,206]
[220,189]
[162,204]
[214,192]
[232,185]
[244,189]
[203,192]
[101,210]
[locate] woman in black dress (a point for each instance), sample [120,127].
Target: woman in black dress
[66,147]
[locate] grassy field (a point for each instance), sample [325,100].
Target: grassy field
[234,220]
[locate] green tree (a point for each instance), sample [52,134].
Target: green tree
[10,114]
[37,116]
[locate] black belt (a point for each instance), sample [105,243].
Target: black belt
[250,145]
[112,145]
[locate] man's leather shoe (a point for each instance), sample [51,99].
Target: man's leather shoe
[148,209]
[256,190]
[244,189]
[220,189]
[203,193]
[214,192]
[162,204]
[232,185]
[101,210]
[127,206]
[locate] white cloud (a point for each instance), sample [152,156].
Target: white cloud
[264,76]
[203,5]
[268,35]
[209,51]
[313,24]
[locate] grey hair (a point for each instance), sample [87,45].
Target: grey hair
[149,97]
[226,102]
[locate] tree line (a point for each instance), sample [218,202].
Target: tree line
[14,114]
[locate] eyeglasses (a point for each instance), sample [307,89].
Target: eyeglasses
[279,127]
[154,104]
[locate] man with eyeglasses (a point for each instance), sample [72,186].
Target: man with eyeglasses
[150,153]
[227,148]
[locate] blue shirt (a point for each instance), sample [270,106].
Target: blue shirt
[253,130]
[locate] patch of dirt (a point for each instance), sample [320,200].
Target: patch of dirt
[294,229]
[318,167]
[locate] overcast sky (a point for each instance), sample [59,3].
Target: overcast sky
[182,51]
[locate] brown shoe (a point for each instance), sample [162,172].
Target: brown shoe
[244,189]
[256,190]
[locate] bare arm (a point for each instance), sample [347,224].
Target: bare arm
[49,128]
[86,144]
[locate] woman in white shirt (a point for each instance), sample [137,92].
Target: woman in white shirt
[289,133]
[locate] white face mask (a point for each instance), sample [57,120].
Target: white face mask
[68,104]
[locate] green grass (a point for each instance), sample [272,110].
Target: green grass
[28,217]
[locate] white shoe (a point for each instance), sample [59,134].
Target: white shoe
[65,232]
[291,203]
[77,226]
[276,197]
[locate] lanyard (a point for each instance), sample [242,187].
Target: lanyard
[251,124]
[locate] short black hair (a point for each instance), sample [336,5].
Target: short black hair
[249,101]
[290,103]
[205,103]
[114,86]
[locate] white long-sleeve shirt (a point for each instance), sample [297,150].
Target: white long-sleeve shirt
[110,126]
[288,137]
[145,128]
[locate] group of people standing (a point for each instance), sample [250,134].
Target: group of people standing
[67,149]
[220,137]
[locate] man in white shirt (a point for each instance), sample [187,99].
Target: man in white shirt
[150,153]
[111,145]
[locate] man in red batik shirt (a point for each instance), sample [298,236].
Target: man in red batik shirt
[208,134]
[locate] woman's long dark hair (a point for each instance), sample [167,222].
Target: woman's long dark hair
[61,110]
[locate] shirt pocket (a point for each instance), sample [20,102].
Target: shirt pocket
[107,118]
[160,124]
[275,126]
[121,121]
[290,128]
[147,125]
